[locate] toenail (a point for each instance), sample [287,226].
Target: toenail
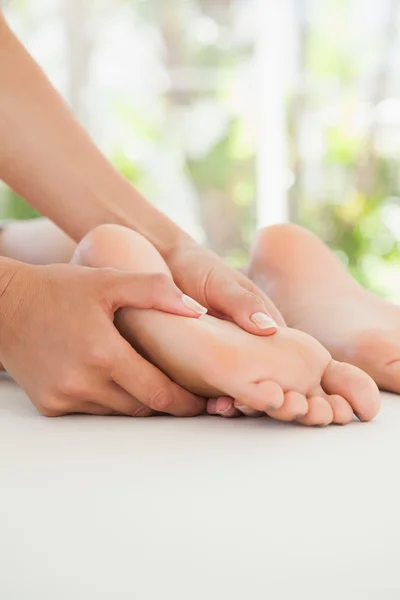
[263,321]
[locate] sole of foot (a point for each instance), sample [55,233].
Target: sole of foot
[316,295]
[288,376]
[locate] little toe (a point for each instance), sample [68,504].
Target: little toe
[319,412]
[261,396]
[355,386]
[342,411]
[295,406]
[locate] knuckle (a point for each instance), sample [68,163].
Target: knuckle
[99,356]
[250,298]
[142,411]
[51,406]
[71,386]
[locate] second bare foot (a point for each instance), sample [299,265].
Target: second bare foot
[316,295]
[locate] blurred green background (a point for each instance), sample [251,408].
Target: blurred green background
[169,92]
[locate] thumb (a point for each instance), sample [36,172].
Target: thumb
[247,308]
[142,290]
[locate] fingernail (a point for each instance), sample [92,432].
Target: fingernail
[245,410]
[225,412]
[193,305]
[263,321]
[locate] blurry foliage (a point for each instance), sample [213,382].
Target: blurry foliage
[13,206]
[357,186]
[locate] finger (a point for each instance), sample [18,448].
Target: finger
[274,312]
[150,386]
[77,407]
[245,307]
[247,410]
[92,408]
[118,401]
[142,290]
[225,407]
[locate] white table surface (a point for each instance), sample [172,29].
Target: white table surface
[118,508]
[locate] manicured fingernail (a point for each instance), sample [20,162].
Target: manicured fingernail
[193,305]
[263,321]
[225,412]
[246,410]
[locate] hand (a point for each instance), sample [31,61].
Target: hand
[58,340]
[226,293]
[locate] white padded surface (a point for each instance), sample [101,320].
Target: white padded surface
[118,508]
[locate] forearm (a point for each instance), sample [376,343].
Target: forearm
[47,157]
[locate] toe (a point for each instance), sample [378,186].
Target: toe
[319,412]
[355,386]
[295,406]
[342,411]
[224,407]
[261,396]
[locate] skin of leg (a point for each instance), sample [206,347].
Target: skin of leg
[316,295]
[216,358]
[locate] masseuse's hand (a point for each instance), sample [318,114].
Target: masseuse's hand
[226,293]
[58,340]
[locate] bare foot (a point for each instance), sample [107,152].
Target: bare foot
[316,295]
[288,376]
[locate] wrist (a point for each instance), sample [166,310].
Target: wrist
[136,213]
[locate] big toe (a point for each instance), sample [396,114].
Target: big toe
[353,385]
